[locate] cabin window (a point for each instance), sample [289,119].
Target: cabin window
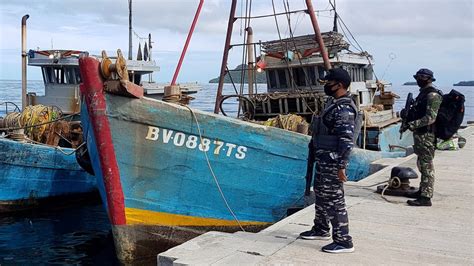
[137,79]
[60,76]
[48,75]
[65,75]
[368,73]
[72,74]
[311,72]
[77,75]
[43,72]
[299,77]
[356,73]
[282,80]
[271,76]
[69,73]
[321,72]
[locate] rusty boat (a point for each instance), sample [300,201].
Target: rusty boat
[168,172]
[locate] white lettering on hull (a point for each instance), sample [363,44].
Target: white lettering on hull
[180,139]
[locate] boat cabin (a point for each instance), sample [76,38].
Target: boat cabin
[294,68]
[61,77]
[294,75]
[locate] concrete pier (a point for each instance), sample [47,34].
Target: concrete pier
[383,232]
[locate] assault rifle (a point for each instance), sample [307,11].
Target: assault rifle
[405,113]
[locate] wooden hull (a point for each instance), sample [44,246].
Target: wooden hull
[32,174]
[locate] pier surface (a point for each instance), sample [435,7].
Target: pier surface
[383,232]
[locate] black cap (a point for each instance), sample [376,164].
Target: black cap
[340,75]
[425,73]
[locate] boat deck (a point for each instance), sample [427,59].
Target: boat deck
[383,232]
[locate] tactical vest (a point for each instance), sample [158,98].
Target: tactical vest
[419,109]
[323,138]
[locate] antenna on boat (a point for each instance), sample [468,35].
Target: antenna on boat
[130,30]
[23,61]
[334,27]
[150,76]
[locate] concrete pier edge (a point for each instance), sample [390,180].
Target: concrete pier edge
[383,232]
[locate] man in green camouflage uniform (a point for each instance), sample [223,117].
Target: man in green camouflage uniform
[423,115]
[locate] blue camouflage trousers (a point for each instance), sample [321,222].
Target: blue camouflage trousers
[330,205]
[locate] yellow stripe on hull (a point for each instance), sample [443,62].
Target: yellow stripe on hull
[137,216]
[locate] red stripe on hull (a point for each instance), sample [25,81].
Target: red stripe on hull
[92,87]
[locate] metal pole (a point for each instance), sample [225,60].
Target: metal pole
[150,76]
[317,32]
[23,61]
[225,55]
[250,59]
[130,57]
[190,34]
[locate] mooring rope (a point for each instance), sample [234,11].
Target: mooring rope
[389,183]
[212,171]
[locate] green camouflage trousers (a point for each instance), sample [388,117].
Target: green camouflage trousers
[424,147]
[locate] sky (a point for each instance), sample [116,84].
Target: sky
[401,35]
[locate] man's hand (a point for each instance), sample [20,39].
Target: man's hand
[341,174]
[403,113]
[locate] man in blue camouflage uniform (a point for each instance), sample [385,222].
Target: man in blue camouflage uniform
[421,122]
[331,144]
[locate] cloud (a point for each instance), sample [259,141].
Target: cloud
[422,18]
[439,33]
[419,19]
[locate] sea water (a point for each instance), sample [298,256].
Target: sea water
[81,234]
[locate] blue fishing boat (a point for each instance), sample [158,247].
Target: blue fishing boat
[38,141]
[42,156]
[168,172]
[32,175]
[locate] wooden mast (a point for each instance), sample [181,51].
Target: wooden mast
[317,32]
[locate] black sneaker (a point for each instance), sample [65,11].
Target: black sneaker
[315,235]
[338,248]
[421,201]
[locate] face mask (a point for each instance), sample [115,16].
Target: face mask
[328,89]
[421,83]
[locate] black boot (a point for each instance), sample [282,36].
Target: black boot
[421,201]
[413,195]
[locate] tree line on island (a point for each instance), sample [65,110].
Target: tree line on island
[236,75]
[460,83]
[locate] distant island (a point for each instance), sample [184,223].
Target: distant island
[409,83]
[464,83]
[237,77]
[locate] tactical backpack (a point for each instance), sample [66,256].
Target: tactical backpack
[450,115]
